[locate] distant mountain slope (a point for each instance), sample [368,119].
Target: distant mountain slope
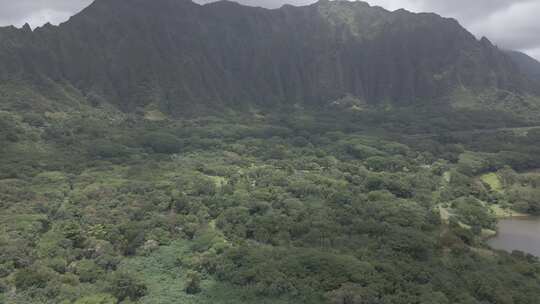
[527,64]
[181,55]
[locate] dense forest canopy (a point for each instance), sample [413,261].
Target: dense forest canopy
[298,206]
[192,158]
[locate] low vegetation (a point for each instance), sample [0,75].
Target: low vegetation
[304,207]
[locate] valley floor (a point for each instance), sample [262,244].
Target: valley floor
[100,206]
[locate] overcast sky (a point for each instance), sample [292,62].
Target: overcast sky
[512,24]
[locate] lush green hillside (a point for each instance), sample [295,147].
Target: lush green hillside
[99,206]
[189,58]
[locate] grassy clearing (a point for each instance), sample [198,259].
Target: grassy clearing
[493,180]
[155,115]
[166,279]
[218,180]
[501,212]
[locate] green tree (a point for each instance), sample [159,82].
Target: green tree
[162,142]
[125,285]
[193,285]
[32,278]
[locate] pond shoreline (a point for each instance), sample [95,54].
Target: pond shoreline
[503,214]
[517,233]
[506,213]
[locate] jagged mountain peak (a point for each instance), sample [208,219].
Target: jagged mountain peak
[182,55]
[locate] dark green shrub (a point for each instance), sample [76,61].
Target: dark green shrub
[31,278]
[88,270]
[193,285]
[124,285]
[34,119]
[162,142]
[107,149]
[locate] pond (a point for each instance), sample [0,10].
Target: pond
[518,233]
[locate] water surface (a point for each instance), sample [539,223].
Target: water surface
[520,233]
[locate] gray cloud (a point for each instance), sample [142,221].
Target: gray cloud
[38,12]
[515,27]
[534,52]
[511,24]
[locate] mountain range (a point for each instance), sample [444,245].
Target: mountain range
[182,56]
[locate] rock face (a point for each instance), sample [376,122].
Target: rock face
[181,55]
[528,65]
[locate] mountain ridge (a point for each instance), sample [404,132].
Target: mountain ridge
[527,64]
[183,56]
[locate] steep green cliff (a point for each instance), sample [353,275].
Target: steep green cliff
[183,56]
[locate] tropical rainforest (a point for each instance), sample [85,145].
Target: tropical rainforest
[200,162]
